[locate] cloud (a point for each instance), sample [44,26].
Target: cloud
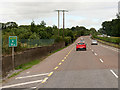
[80,12]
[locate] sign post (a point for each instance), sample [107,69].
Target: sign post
[13,43]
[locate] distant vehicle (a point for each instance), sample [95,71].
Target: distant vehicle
[82,38]
[82,41]
[80,46]
[94,42]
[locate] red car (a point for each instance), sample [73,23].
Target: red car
[80,46]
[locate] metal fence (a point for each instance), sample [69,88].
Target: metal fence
[36,42]
[26,43]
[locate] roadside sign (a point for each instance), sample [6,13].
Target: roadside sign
[12,41]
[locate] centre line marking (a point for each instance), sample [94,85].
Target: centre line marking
[56,68]
[59,63]
[64,57]
[62,60]
[33,76]
[101,60]
[114,73]
[50,74]
[21,84]
[96,54]
[45,79]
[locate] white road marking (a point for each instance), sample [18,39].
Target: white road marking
[33,87]
[114,49]
[22,84]
[45,79]
[92,50]
[95,54]
[32,76]
[101,60]
[114,73]
[27,72]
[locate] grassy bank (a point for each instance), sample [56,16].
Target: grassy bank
[111,41]
[114,40]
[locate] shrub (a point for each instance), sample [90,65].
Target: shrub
[59,39]
[67,40]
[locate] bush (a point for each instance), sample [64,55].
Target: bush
[115,40]
[59,39]
[67,40]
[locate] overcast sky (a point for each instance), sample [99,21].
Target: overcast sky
[88,13]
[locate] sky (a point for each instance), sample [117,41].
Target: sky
[88,13]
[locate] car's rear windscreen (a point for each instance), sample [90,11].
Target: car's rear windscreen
[80,43]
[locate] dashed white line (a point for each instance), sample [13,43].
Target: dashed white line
[22,84]
[92,50]
[32,76]
[95,54]
[114,73]
[101,60]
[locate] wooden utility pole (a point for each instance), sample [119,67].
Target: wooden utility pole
[64,21]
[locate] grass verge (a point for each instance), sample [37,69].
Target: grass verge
[109,44]
[32,63]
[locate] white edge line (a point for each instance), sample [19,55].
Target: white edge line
[22,84]
[114,73]
[101,60]
[96,54]
[33,87]
[32,76]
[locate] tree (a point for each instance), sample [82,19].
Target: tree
[42,24]
[32,26]
[11,25]
[118,15]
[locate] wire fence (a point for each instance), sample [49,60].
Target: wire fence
[36,43]
[25,43]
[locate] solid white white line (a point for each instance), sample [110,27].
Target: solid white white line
[95,54]
[114,73]
[101,60]
[33,87]
[22,84]
[116,50]
[32,76]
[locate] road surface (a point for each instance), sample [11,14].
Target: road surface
[95,68]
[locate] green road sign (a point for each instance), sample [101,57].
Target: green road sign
[12,41]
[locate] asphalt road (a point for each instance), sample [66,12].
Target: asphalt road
[95,68]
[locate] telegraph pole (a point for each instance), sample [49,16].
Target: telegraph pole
[64,21]
[58,19]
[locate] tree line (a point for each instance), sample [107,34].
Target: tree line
[111,28]
[41,31]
